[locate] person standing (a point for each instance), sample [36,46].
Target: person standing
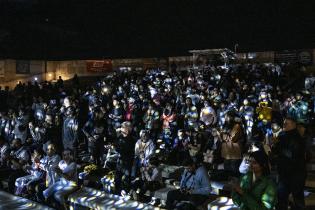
[70,130]
[289,152]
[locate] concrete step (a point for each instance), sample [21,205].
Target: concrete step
[95,199]
[309,200]
[162,193]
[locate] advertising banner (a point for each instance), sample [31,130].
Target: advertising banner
[130,64]
[99,66]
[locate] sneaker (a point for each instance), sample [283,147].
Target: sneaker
[162,204]
[154,202]
[123,193]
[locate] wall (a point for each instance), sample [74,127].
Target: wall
[11,78]
[67,69]
[182,62]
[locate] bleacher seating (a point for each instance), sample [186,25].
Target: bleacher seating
[222,203]
[88,198]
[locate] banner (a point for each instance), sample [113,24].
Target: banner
[99,66]
[23,67]
[2,66]
[302,57]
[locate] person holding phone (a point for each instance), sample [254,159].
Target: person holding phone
[195,185]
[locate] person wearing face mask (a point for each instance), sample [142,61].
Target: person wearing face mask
[255,190]
[290,155]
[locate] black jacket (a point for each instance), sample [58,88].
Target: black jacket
[289,153]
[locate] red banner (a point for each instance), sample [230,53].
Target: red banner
[99,65]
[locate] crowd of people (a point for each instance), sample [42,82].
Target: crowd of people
[241,120]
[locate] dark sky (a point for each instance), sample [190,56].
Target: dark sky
[59,29]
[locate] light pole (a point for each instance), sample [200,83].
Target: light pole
[235,47]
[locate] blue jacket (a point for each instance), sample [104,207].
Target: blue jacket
[198,182]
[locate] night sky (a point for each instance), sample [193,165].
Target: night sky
[65,29]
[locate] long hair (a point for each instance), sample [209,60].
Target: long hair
[262,159]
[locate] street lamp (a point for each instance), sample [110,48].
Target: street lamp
[235,47]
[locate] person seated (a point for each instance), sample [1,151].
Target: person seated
[256,190]
[48,163]
[180,148]
[35,175]
[194,145]
[195,185]
[67,171]
[150,179]
[18,158]
[4,152]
